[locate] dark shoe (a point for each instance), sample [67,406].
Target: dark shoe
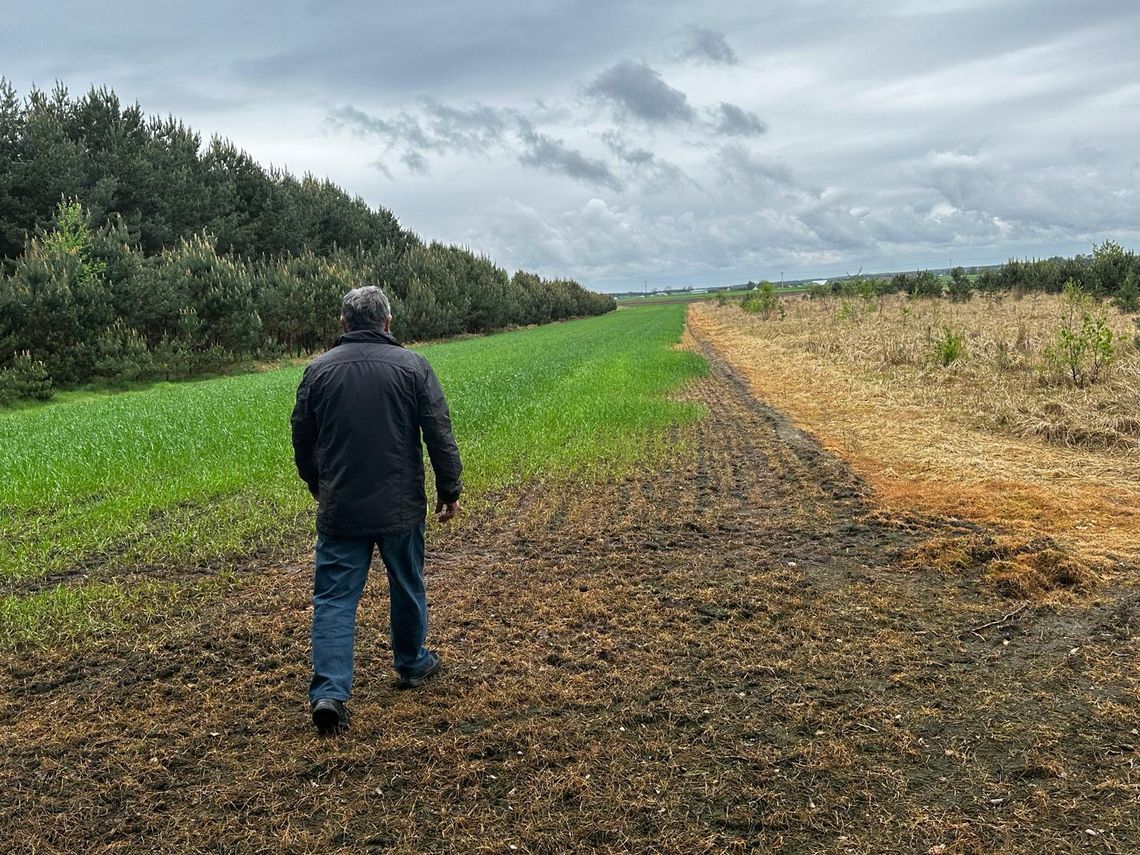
[330,716]
[414,682]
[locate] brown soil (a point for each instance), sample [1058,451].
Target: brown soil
[733,652]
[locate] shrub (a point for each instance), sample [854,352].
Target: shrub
[961,289]
[1084,346]
[900,284]
[1110,265]
[849,310]
[763,301]
[219,288]
[1128,297]
[988,283]
[925,285]
[122,354]
[173,358]
[862,288]
[885,287]
[949,347]
[57,301]
[25,377]
[819,291]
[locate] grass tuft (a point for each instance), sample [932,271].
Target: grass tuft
[1016,567]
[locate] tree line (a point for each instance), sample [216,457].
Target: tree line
[1110,272]
[131,251]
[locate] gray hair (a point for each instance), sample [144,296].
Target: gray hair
[365,308]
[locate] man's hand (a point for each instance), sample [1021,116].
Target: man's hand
[445,511]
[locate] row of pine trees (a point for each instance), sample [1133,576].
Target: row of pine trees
[132,251]
[1110,272]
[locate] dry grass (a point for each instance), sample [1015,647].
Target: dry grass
[991,438]
[1003,381]
[1018,567]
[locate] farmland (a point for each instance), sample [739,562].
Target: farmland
[187,475]
[728,596]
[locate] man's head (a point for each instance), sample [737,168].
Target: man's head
[365,308]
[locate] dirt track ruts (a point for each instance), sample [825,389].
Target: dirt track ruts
[718,654]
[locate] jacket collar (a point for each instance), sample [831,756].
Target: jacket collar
[374,336]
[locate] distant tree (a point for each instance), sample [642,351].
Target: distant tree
[1110,265]
[1128,297]
[46,166]
[11,136]
[960,289]
[122,354]
[988,283]
[220,290]
[900,284]
[488,287]
[819,291]
[168,257]
[57,302]
[25,377]
[298,300]
[762,301]
[925,284]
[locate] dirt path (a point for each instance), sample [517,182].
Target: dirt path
[717,655]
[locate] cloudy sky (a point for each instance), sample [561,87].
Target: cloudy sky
[662,142]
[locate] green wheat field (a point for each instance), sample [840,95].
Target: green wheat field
[201,473]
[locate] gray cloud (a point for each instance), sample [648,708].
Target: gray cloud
[543,152]
[709,46]
[636,90]
[415,162]
[740,167]
[435,127]
[731,121]
[358,122]
[656,174]
[1072,199]
[529,131]
[473,128]
[446,129]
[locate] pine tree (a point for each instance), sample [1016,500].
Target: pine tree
[1128,297]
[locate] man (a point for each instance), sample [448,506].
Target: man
[361,410]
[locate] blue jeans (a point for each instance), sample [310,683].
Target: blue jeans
[342,570]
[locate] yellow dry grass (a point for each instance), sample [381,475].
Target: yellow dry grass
[958,441]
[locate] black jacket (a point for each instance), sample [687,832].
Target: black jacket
[361,408]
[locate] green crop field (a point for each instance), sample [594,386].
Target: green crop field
[197,473]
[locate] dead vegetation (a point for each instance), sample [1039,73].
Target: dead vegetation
[988,437]
[1017,567]
[1004,374]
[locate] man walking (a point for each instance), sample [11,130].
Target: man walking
[361,410]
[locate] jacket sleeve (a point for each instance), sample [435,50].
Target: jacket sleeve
[435,423]
[304,423]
